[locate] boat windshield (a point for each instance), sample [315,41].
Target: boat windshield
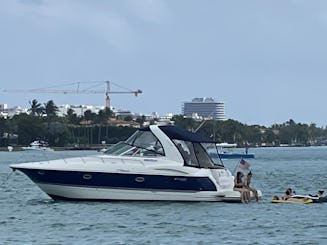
[197,154]
[141,143]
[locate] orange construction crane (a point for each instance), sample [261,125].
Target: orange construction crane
[76,91]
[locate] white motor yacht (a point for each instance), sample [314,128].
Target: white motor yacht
[38,145]
[157,163]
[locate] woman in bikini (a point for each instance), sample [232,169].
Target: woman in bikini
[239,186]
[247,183]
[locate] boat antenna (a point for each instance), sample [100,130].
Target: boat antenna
[203,122]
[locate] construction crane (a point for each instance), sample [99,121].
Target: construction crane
[77,91]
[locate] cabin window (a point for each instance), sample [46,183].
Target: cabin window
[212,150]
[194,154]
[187,151]
[203,156]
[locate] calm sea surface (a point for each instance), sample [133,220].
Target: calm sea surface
[28,216]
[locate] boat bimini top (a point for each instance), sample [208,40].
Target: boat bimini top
[173,143]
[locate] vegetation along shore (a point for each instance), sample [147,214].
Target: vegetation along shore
[104,127]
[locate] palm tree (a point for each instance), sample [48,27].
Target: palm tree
[89,115]
[109,113]
[72,117]
[50,108]
[102,118]
[36,108]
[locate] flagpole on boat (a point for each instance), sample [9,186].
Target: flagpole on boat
[245,165]
[234,172]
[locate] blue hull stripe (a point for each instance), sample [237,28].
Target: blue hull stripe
[120,180]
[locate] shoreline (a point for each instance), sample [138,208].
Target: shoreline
[99,147]
[63,148]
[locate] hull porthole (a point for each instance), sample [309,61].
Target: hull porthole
[87,176]
[139,179]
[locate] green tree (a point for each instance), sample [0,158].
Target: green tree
[3,126]
[185,122]
[102,117]
[270,137]
[89,116]
[28,128]
[140,120]
[56,133]
[109,113]
[128,118]
[50,109]
[36,108]
[72,117]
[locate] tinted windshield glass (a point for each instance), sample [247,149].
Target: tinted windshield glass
[196,154]
[187,151]
[118,148]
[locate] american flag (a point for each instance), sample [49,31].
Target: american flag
[244,164]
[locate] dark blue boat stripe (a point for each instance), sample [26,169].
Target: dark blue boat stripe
[120,188]
[120,180]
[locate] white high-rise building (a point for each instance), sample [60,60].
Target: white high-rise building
[205,108]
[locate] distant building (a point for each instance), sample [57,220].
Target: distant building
[7,112]
[122,114]
[205,108]
[78,109]
[3,107]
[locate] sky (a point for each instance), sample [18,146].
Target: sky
[267,60]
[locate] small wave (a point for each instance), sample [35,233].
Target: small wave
[315,226]
[88,228]
[40,201]
[57,225]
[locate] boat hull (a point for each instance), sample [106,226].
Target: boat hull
[62,192]
[120,180]
[117,186]
[99,186]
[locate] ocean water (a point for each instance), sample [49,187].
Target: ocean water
[28,216]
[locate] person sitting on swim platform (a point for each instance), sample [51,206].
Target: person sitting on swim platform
[239,186]
[247,183]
